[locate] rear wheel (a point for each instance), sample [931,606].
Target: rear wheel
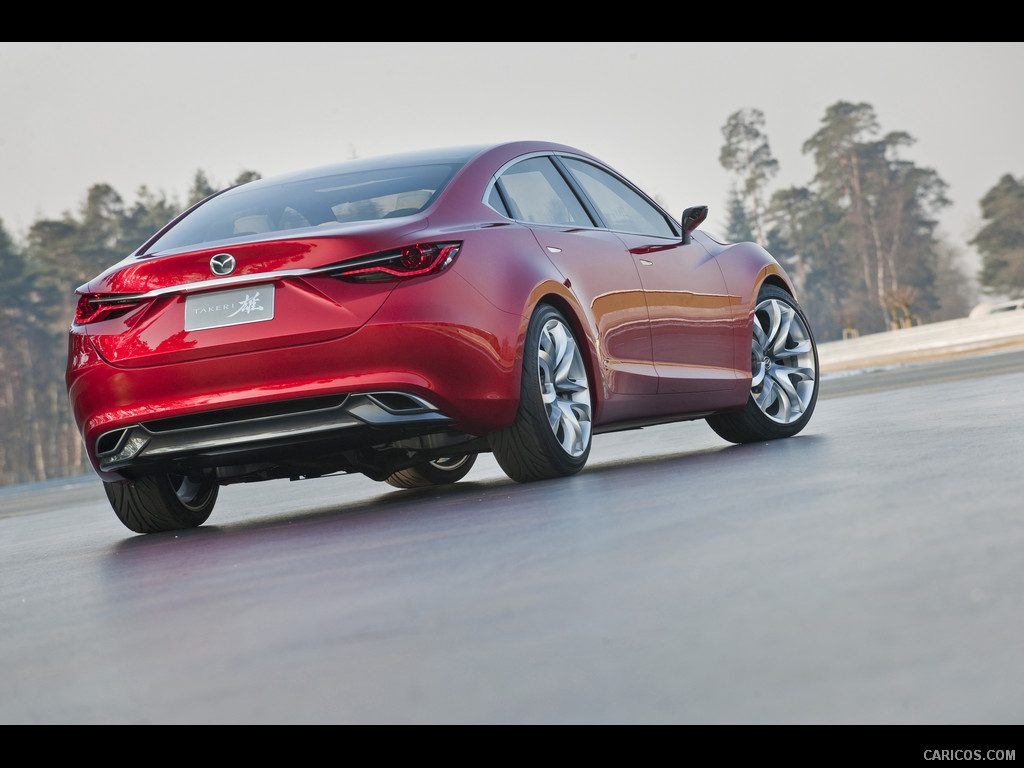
[551,434]
[784,374]
[437,472]
[159,503]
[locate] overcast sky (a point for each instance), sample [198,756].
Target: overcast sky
[133,114]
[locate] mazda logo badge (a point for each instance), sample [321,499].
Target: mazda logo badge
[222,264]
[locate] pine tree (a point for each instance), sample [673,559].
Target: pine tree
[1001,240]
[746,153]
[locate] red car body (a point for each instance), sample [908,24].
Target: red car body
[398,339]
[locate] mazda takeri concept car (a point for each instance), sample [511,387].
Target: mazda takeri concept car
[397,316]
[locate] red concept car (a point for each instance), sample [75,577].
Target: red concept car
[397,316]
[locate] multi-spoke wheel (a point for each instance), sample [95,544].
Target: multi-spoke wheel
[552,432]
[162,502]
[436,472]
[784,373]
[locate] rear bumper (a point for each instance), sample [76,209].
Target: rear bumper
[391,379]
[231,435]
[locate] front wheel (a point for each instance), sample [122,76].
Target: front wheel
[158,503]
[784,374]
[551,434]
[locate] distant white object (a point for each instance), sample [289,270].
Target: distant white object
[990,309]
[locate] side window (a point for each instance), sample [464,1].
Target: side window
[537,193]
[621,207]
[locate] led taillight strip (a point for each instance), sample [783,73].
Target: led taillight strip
[410,261]
[92,309]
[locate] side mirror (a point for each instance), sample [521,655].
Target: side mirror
[692,218]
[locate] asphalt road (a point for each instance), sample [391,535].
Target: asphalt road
[866,571]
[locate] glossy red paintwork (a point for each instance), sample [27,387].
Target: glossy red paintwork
[667,326]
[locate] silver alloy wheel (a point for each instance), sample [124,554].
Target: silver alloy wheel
[782,362]
[564,388]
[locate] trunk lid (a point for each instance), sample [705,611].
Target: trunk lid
[278,294]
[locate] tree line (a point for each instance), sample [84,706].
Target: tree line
[859,239]
[38,278]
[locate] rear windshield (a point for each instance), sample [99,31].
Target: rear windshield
[260,208]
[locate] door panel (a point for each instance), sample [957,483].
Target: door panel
[692,329]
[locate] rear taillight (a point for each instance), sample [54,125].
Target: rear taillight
[93,308]
[411,261]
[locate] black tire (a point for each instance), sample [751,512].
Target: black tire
[158,503]
[784,381]
[437,472]
[551,435]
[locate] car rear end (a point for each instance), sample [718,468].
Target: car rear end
[296,351]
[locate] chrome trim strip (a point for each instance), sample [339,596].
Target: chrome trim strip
[255,277]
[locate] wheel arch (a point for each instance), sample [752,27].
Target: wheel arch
[776,279]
